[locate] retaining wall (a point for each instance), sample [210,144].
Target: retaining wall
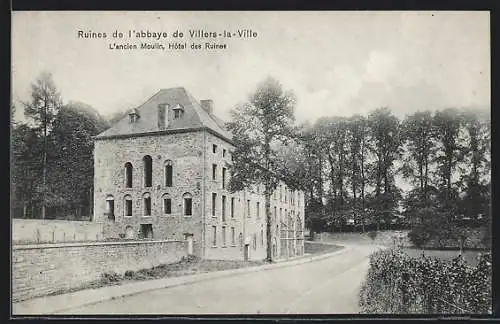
[42,269]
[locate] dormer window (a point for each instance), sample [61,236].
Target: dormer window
[134,116]
[178,111]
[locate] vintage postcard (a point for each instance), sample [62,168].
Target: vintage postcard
[306,162]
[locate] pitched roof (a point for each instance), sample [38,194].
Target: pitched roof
[194,116]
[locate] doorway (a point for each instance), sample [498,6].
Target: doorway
[246,251]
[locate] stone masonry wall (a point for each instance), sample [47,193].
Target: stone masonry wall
[184,150]
[250,223]
[26,231]
[41,269]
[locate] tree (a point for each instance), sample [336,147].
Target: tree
[419,135]
[72,168]
[476,198]
[357,153]
[42,109]
[25,151]
[335,134]
[258,125]
[384,129]
[447,124]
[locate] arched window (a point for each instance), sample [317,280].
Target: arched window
[188,204]
[167,204]
[146,201]
[168,173]
[127,200]
[128,175]
[148,171]
[110,207]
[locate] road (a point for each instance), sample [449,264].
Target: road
[327,286]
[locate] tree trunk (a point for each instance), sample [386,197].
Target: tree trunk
[363,186]
[44,163]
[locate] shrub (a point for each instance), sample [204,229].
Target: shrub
[372,234]
[129,274]
[110,277]
[419,236]
[190,258]
[398,283]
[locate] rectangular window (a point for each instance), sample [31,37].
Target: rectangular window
[214,235]
[258,209]
[146,231]
[254,242]
[281,215]
[233,236]
[261,237]
[214,171]
[214,202]
[223,178]
[177,113]
[224,236]
[223,152]
[168,176]
[223,208]
[128,207]
[214,148]
[275,214]
[147,206]
[188,206]
[248,208]
[167,206]
[232,207]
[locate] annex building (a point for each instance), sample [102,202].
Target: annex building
[162,172]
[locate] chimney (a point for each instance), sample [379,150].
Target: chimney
[207,105]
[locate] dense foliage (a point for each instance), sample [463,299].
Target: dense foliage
[429,169]
[398,283]
[52,164]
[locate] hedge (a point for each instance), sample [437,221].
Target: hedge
[397,283]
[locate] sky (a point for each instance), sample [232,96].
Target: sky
[336,63]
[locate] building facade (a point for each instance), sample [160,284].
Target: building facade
[162,172]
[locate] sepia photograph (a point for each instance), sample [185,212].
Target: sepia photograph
[250,163]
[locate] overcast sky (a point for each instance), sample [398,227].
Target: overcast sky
[337,63]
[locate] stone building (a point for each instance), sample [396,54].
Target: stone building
[162,173]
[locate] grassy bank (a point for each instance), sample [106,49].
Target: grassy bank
[187,266]
[318,248]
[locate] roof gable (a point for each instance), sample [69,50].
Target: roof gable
[194,116]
